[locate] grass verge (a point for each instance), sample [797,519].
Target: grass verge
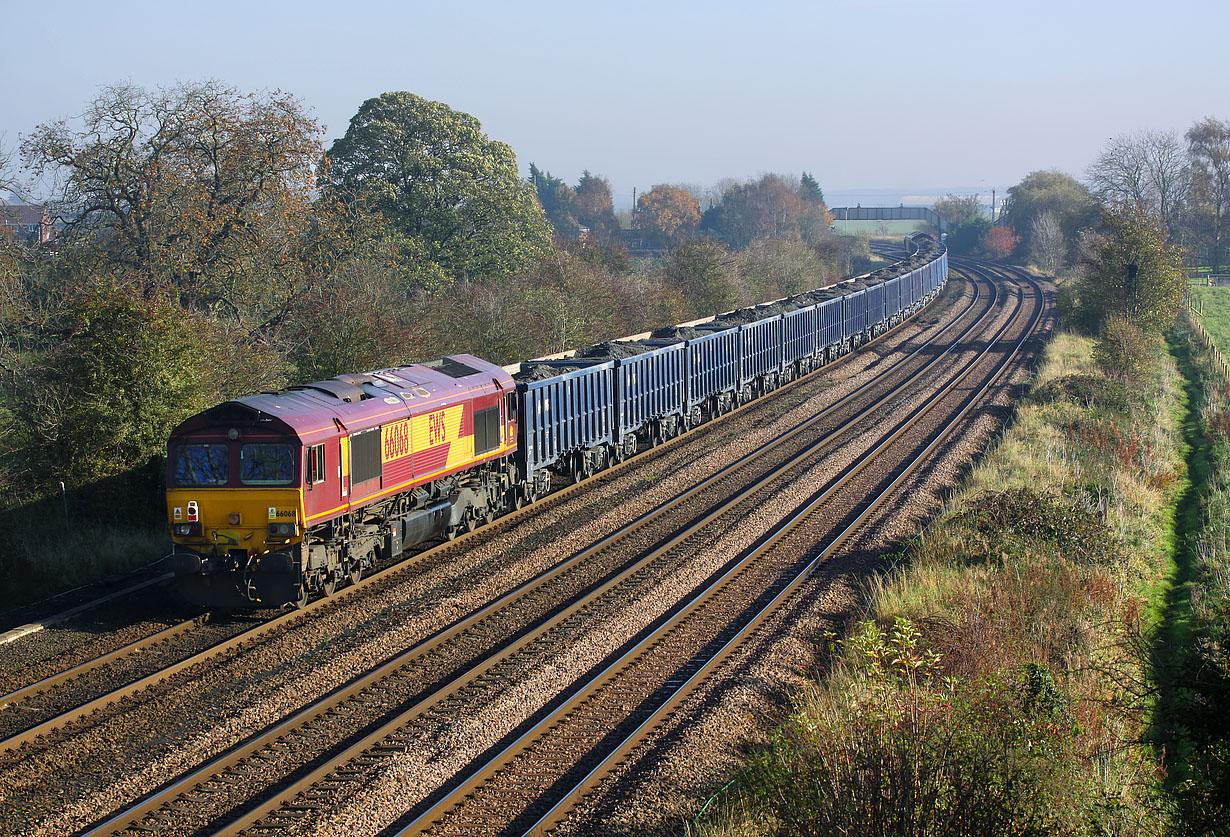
[1002,681]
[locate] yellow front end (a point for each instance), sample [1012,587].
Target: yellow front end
[235,522]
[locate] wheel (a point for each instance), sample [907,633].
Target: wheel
[330,585]
[356,571]
[301,597]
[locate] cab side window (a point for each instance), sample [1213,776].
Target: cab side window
[316,464]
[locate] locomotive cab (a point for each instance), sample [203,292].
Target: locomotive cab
[235,510]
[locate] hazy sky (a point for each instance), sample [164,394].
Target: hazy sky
[866,94]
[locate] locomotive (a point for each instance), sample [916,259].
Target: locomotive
[277,497]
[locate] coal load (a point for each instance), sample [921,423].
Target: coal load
[541,371]
[678,333]
[613,350]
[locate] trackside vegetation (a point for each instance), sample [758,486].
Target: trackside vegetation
[1000,683]
[1195,670]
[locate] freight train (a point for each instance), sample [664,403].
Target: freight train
[278,497]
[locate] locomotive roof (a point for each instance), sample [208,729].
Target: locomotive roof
[358,401]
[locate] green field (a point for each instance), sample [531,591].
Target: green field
[1214,315]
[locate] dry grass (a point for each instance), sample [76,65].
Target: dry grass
[1025,666]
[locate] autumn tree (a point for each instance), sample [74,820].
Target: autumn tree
[1129,269]
[667,214]
[197,184]
[1000,242]
[765,208]
[594,208]
[452,192]
[1043,191]
[1208,145]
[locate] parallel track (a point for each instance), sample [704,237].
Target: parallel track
[245,758]
[138,688]
[581,730]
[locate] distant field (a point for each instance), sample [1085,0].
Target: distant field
[1216,314]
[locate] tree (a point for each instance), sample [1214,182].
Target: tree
[196,184]
[444,185]
[1000,242]
[1049,249]
[809,189]
[1148,168]
[1208,145]
[1130,269]
[557,199]
[766,208]
[125,369]
[594,207]
[702,270]
[1043,191]
[968,238]
[667,214]
[959,209]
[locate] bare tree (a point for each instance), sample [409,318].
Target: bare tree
[1048,247]
[1208,144]
[1147,169]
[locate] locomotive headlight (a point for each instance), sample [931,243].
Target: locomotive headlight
[186,530]
[283,530]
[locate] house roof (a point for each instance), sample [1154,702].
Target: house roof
[21,213]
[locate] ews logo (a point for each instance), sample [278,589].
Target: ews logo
[437,431]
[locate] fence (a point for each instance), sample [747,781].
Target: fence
[1219,360]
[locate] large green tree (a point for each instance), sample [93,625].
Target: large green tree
[1048,191]
[451,191]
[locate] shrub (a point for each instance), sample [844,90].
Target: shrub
[1124,351]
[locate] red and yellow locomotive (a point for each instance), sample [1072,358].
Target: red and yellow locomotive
[277,496]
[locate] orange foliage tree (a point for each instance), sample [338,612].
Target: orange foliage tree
[1001,241]
[667,214]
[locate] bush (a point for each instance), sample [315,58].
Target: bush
[884,749]
[1125,351]
[1022,520]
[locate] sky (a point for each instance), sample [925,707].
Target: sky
[883,101]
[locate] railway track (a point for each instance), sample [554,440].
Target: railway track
[594,729]
[180,808]
[183,819]
[46,707]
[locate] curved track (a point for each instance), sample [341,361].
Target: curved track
[191,811]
